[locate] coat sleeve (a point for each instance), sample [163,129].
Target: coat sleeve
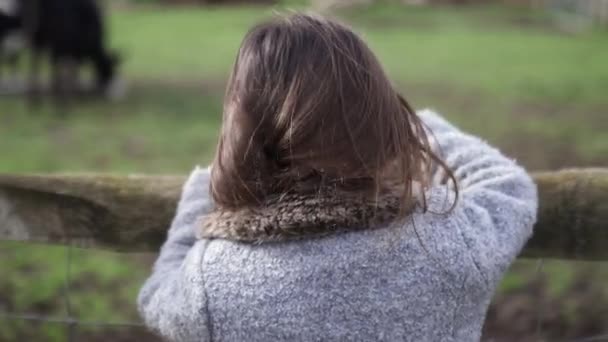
[172,302]
[497,198]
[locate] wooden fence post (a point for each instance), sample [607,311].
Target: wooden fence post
[132,213]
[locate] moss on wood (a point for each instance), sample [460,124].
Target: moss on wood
[132,213]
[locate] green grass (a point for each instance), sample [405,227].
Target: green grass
[182,43]
[154,131]
[506,74]
[36,278]
[481,49]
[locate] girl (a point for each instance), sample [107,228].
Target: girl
[332,211]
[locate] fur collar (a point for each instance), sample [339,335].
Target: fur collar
[294,217]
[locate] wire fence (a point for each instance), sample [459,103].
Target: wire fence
[72,322]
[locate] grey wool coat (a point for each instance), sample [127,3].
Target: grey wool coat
[429,277]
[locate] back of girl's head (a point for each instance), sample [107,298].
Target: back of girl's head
[309,106]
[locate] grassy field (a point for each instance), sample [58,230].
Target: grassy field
[504,74]
[507,75]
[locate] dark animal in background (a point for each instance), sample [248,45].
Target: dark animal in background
[71,33]
[11,41]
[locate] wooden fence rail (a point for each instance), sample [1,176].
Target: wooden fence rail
[132,213]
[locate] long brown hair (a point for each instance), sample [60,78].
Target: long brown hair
[308,105]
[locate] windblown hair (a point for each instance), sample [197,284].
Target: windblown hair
[308,108]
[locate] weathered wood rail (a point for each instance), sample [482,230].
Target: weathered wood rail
[132,213]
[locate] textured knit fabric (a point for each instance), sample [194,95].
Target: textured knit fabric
[429,277]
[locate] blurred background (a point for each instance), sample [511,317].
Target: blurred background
[530,76]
